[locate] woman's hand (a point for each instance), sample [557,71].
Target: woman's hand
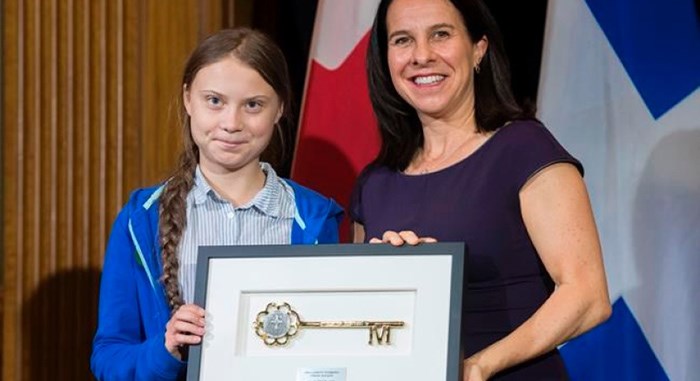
[405,236]
[473,371]
[185,327]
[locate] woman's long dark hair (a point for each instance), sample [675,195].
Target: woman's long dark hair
[400,129]
[261,54]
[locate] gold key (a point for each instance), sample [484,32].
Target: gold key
[279,322]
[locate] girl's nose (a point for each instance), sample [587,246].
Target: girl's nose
[230,121]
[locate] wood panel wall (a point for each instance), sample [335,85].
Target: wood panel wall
[89,91]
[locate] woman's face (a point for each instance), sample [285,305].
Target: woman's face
[232,112]
[431,57]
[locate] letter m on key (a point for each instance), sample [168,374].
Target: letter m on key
[380,333]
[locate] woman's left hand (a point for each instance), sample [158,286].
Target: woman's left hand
[473,371]
[399,238]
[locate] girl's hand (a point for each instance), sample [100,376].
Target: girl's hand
[185,327]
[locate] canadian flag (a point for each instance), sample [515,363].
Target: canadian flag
[337,134]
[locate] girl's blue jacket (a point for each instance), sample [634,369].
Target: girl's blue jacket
[130,340]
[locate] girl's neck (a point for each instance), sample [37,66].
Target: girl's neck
[239,186]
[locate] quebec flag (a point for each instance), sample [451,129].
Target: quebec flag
[619,89]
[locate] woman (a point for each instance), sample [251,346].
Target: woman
[461,161]
[236,94]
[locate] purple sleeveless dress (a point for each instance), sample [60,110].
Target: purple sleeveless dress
[476,201]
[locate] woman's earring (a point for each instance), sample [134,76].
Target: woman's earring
[477,68]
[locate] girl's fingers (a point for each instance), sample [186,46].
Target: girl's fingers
[188,328]
[184,339]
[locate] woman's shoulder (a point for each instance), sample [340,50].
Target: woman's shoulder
[525,137]
[527,146]
[524,131]
[373,172]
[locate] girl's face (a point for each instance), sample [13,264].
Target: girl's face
[431,57]
[233,113]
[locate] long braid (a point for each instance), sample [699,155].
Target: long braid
[172,223]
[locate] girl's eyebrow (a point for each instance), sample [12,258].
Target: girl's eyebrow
[259,96]
[209,91]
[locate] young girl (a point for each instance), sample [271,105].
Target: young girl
[236,96]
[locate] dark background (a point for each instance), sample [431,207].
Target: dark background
[522,23]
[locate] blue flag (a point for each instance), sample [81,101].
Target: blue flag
[619,88]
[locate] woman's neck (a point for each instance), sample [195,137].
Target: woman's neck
[239,186]
[446,134]
[446,141]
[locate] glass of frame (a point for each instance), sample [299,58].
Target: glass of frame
[346,312]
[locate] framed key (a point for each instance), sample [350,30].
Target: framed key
[278,323]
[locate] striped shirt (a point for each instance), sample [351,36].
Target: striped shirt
[211,220]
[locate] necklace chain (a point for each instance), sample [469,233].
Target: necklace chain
[436,164]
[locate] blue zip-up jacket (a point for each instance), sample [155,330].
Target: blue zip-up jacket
[133,311]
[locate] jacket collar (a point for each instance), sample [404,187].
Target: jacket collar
[143,228]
